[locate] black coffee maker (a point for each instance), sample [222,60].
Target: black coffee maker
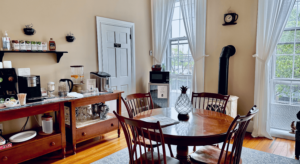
[8,83]
[31,86]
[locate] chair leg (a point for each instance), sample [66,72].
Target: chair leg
[148,148]
[194,149]
[171,153]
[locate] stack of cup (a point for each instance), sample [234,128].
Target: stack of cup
[22,98]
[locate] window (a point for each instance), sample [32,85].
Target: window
[285,78]
[178,60]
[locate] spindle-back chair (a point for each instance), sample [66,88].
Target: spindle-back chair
[137,149]
[230,153]
[210,101]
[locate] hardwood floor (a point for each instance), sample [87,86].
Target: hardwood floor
[89,152]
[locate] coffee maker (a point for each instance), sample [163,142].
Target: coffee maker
[31,86]
[8,83]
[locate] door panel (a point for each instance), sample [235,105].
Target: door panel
[117,60]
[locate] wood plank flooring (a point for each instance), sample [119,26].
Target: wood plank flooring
[109,144]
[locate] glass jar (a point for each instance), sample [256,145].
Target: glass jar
[50,89]
[77,74]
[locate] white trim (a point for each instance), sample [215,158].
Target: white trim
[107,21]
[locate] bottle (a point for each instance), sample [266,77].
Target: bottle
[6,42]
[52,46]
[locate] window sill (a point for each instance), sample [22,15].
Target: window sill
[282,134]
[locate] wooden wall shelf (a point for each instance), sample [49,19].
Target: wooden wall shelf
[59,54]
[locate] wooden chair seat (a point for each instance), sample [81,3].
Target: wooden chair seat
[148,157]
[209,155]
[147,142]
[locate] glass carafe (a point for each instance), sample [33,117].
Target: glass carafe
[77,74]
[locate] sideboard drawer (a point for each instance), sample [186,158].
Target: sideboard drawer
[30,150]
[97,129]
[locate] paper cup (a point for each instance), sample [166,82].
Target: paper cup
[22,98]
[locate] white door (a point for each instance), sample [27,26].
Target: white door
[116,58]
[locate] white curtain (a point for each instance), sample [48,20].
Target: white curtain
[194,18]
[271,20]
[162,15]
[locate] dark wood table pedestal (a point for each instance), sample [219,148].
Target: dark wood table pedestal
[183,154]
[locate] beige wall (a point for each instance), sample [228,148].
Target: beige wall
[54,19]
[243,37]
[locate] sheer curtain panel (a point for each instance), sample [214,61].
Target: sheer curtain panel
[271,20]
[162,14]
[194,18]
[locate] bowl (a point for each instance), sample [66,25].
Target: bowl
[11,103]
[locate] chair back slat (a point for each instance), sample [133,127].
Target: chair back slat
[137,103]
[210,101]
[236,133]
[136,132]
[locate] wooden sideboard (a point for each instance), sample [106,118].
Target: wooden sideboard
[77,135]
[39,145]
[44,144]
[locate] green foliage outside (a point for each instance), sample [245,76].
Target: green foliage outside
[284,63]
[181,63]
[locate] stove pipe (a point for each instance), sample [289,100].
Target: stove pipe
[223,69]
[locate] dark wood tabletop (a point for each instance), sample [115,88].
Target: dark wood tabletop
[203,127]
[202,124]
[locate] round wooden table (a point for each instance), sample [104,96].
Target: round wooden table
[203,127]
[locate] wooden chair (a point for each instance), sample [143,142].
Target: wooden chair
[137,153]
[236,132]
[137,103]
[210,101]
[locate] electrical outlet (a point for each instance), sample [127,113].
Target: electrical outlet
[150,52]
[1,127]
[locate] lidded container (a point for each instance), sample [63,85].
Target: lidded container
[103,81]
[50,89]
[47,124]
[77,74]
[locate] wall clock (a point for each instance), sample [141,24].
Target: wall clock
[230,18]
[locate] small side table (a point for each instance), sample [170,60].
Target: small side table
[297,140]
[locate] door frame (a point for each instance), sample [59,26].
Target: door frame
[113,22]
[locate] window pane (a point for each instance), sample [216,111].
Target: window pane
[177,4]
[176,13]
[284,66]
[174,42]
[298,16]
[297,49]
[297,35]
[297,67]
[182,29]
[183,49]
[292,19]
[183,41]
[285,49]
[175,29]
[296,94]
[282,93]
[287,36]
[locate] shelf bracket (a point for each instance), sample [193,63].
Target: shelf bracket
[1,56]
[59,55]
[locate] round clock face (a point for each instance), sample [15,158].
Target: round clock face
[228,18]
